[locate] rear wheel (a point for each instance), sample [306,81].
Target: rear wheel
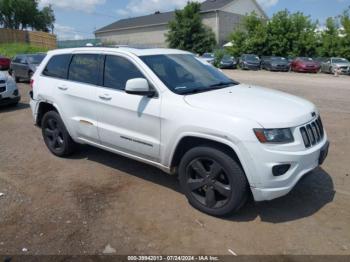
[30,75]
[15,77]
[213,182]
[56,136]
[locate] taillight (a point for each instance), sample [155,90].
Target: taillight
[31,84]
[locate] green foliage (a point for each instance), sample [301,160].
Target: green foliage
[330,40]
[11,50]
[23,14]
[344,49]
[219,54]
[285,34]
[187,31]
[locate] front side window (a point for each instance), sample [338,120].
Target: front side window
[58,66]
[184,74]
[84,68]
[118,70]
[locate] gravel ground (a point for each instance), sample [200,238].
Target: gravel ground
[94,199]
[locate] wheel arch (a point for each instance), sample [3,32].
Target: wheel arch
[188,142]
[43,108]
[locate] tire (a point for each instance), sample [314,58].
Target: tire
[213,171]
[56,136]
[30,75]
[15,77]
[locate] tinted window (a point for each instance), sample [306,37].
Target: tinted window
[118,71]
[183,73]
[58,66]
[84,68]
[36,59]
[17,59]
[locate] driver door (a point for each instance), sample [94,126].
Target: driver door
[127,123]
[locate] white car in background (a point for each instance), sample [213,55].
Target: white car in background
[166,108]
[9,94]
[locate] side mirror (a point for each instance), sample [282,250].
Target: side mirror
[139,86]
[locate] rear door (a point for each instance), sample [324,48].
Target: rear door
[74,90]
[127,123]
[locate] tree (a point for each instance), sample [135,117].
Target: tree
[187,31]
[251,38]
[21,14]
[345,33]
[285,34]
[45,19]
[330,39]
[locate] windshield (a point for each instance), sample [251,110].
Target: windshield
[340,60]
[208,55]
[278,58]
[227,58]
[306,59]
[185,74]
[252,58]
[36,59]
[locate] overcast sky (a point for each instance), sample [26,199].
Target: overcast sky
[78,19]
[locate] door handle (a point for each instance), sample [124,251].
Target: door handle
[63,88]
[105,97]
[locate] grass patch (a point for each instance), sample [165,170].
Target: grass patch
[11,50]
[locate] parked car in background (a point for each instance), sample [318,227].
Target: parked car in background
[9,94]
[24,66]
[209,57]
[249,62]
[305,64]
[4,63]
[336,63]
[275,63]
[228,62]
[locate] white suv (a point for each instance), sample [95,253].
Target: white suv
[166,108]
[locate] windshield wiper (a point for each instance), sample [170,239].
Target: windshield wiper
[222,85]
[216,86]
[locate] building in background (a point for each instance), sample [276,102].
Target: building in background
[222,16]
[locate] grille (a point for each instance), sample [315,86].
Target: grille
[312,133]
[2,89]
[2,82]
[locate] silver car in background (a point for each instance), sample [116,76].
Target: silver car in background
[24,66]
[335,63]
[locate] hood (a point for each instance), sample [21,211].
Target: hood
[270,108]
[341,64]
[279,62]
[33,67]
[310,63]
[252,62]
[3,77]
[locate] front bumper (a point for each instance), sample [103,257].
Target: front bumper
[251,67]
[9,95]
[265,185]
[280,68]
[9,100]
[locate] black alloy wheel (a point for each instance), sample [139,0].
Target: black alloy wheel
[56,136]
[212,181]
[208,182]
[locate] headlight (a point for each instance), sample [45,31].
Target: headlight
[283,135]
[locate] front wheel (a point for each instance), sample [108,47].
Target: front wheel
[56,136]
[212,181]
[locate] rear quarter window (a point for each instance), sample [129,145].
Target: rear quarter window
[58,66]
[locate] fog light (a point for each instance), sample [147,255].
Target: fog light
[280,169]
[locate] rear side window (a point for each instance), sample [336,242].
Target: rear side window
[84,68]
[58,66]
[118,70]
